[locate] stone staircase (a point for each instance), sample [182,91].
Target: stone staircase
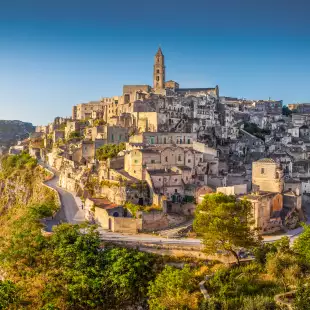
[177,231]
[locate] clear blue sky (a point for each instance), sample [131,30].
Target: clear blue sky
[54,54]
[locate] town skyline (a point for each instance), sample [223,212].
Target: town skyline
[52,59]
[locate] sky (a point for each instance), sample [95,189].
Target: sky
[56,54]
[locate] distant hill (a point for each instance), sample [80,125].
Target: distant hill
[12,131]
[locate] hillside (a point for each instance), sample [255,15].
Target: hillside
[11,131]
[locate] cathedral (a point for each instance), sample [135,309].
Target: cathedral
[160,86]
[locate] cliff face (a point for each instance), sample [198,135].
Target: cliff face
[12,131]
[23,187]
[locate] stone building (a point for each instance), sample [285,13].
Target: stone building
[267,176]
[110,216]
[159,72]
[267,209]
[84,111]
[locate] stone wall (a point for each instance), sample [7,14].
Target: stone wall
[154,220]
[124,224]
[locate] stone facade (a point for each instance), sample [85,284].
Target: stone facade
[267,176]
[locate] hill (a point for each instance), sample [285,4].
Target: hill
[11,131]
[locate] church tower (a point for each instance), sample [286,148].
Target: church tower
[159,71]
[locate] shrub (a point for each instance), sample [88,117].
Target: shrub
[109,151]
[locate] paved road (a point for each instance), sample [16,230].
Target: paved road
[145,238]
[71,210]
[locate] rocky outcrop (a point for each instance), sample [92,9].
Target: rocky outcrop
[22,188]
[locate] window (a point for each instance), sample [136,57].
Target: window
[189,161]
[179,158]
[200,159]
[189,141]
[176,191]
[175,180]
[152,161]
[136,161]
[157,71]
[262,170]
[157,78]
[166,159]
[159,179]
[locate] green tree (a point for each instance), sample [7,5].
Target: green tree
[94,278]
[109,151]
[9,294]
[286,111]
[174,289]
[286,268]
[127,275]
[75,135]
[302,245]
[224,223]
[302,297]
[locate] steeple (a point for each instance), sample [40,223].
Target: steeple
[159,71]
[159,52]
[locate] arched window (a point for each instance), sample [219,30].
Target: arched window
[157,71]
[157,78]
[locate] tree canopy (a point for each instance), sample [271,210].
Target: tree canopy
[224,223]
[174,289]
[109,151]
[253,129]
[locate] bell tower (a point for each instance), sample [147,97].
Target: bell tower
[159,71]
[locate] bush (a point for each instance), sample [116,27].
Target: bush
[253,129]
[174,289]
[259,303]
[109,151]
[75,135]
[21,161]
[9,294]
[42,210]
[302,297]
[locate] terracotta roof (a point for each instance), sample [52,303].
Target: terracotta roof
[103,203]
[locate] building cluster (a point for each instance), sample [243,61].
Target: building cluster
[179,144]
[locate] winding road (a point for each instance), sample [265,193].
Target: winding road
[71,210]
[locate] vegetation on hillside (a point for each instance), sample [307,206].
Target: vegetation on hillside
[22,161]
[254,130]
[133,208]
[109,151]
[72,268]
[286,111]
[75,136]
